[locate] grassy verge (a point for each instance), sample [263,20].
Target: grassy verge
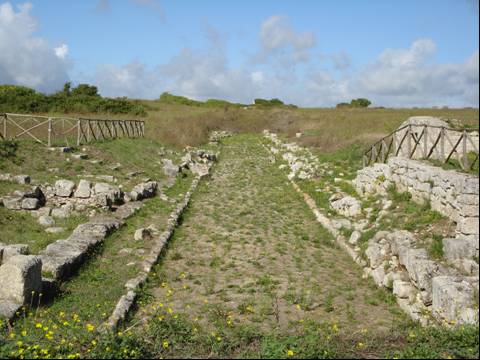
[88,299]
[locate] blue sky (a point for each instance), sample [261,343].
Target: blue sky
[312,53]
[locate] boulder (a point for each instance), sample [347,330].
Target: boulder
[376,254]
[199,169]
[83,190]
[107,195]
[144,190]
[19,277]
[30,204]
[142,234]
[169,168]
[22,179]
[460,248]
[455,299]
[403,289]
[356,235]
[378,275]
[347,206]
[64,188]
[46,220]
[8,251]
[60,213]
[12,202]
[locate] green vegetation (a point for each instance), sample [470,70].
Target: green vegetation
[249,272]
[355,103]
[83,99]
[167,98]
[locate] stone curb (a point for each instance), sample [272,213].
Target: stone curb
[133,285]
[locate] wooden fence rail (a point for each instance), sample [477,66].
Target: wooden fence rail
[427,142]
[65,131]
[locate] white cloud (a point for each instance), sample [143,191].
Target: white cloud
[405,77]
[134,80]
[284,69]
[280,42]
[61,51]
[25,59]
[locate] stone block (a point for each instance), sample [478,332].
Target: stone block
[64,188]
[454,300]
[460,248]
[83,189]
[19,277]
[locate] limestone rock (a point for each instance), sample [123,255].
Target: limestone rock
[46,220]
[12,202]
[64,188]
[22,179]
[144,190]
[19,276]
[199,169]
[8,251]
[169,168]
[80,156]
[55,230]
[30,204]
[60,213]
[347,206]
[376,254]
[454,299]
[83,190]
[460,248]
[142,234]
[356,235]
[403,289]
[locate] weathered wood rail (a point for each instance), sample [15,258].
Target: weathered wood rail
[427,142]
[65,131]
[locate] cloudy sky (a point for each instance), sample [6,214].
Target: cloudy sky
[310,53]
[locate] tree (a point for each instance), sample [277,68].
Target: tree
[360,102]
[66,88]
[85,90]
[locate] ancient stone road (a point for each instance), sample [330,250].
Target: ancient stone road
[249,247]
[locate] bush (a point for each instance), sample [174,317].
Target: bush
[272,102]
[82,99]
[355,103]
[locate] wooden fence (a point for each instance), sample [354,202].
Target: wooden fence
[65,131]
[427,142]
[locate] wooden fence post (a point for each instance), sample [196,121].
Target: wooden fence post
[442,144]
[409,143]
[78,132]
[425,141]
[49,132]
[464,151]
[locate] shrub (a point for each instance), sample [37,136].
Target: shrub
[82,99]
[272,102]
[355,103]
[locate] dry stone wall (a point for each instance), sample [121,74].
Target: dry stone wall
[445,290]
[453,194]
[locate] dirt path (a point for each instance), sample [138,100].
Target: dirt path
[250,251]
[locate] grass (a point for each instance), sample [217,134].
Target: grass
[177,335]
[249,272]
[89,298]
[142,156]
[22,228]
